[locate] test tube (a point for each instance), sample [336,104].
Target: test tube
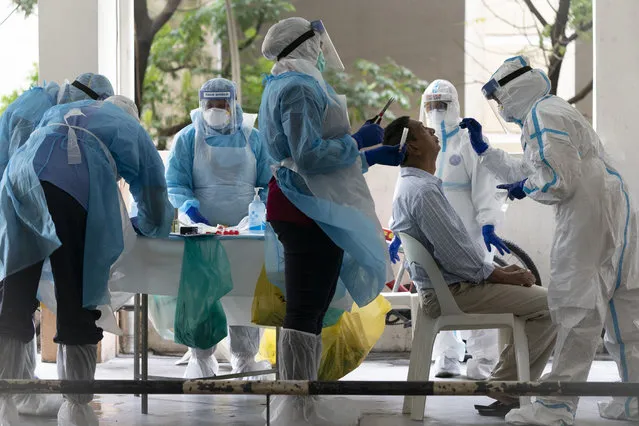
[404,137]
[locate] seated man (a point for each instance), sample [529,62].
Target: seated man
[421,210]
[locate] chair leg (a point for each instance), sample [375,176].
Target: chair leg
[522,356]
[419,368]
[416,356]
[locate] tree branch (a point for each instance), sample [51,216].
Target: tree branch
[169,9]
[517,27]
[172,70]
[575,35]
[581,94]
[141,18]
[171,130]
[249,41]
[536,12]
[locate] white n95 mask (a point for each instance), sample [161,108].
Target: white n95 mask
[217,118]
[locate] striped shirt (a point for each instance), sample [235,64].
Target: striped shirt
[421,210]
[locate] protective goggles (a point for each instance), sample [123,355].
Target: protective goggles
[489,89]
[326,45]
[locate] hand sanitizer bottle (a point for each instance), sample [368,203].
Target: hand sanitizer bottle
[257,213]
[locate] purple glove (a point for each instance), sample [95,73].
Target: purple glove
[490,238]
[194,214]
[515,190]
[393,249]
[476,137]
[385,155]
[369,135]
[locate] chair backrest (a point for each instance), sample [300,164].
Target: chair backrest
[415,252]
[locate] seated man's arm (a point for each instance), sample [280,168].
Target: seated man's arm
[453,248]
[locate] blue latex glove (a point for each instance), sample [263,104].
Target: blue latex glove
[393,249]
[369,135]
[490,238]
[135,224]
[385,155]
[476,137]
[194,214]
[515,190]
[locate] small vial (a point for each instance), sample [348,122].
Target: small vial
[175,225]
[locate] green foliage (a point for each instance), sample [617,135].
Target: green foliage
[370,86]
[249,15]
[26,6]
[580,18]
[6,100]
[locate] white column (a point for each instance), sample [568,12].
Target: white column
[616,86]
[78,36]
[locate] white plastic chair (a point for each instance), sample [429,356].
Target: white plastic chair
[425,328]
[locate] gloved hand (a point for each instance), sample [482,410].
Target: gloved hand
[369,135]
[194,214]
[393,249]
[515,190]
[476,137]
[490,238]
[136,226]
[385,155]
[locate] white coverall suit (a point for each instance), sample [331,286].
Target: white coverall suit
[594,279]
[471,190]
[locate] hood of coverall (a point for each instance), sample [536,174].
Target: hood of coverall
[520,95]
[441,91]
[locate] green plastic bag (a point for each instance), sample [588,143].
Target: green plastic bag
[200,321]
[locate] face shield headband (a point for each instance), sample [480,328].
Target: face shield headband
[489,89]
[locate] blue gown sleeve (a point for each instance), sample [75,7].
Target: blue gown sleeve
[302,118]
[179,172]
[141,166]
[263,163]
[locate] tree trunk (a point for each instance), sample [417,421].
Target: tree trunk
[554,70]
[142,52]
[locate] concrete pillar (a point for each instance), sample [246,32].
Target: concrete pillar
[78,36]
[616,84]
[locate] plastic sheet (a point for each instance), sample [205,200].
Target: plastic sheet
[346,344]
[200,321]
[162,315]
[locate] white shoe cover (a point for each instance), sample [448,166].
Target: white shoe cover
[202,364]
[248,365]
[479,369]
[619,408]
[9,412]
[542,415]
[185,358]
[447,367]
[39,405]
[72,414]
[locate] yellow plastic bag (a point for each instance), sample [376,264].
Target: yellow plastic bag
[269,305]
[346,344]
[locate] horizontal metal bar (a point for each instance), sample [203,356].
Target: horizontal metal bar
[221,377]
[292,387]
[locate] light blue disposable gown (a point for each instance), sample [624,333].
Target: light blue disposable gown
[183,190]
[27,232]
[22,117]
[299,124]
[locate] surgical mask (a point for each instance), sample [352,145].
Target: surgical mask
[435,118]
[217,118]
[321,62]
[504,114]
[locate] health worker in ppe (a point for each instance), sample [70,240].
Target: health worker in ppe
[594,277]
[319,204]
[23,115]
[214,166]
[16,125]
[59,199]
[471,190]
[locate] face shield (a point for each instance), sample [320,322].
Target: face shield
[218,108]
[497,96]
[435,109]
[331,57]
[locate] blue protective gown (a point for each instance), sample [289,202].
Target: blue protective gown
[306,129]
[111,144]
[22,117]
[183,186]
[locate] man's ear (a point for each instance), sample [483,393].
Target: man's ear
[413,149]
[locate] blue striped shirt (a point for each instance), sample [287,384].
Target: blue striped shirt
[421,210]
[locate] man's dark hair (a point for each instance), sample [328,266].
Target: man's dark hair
[393,132]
